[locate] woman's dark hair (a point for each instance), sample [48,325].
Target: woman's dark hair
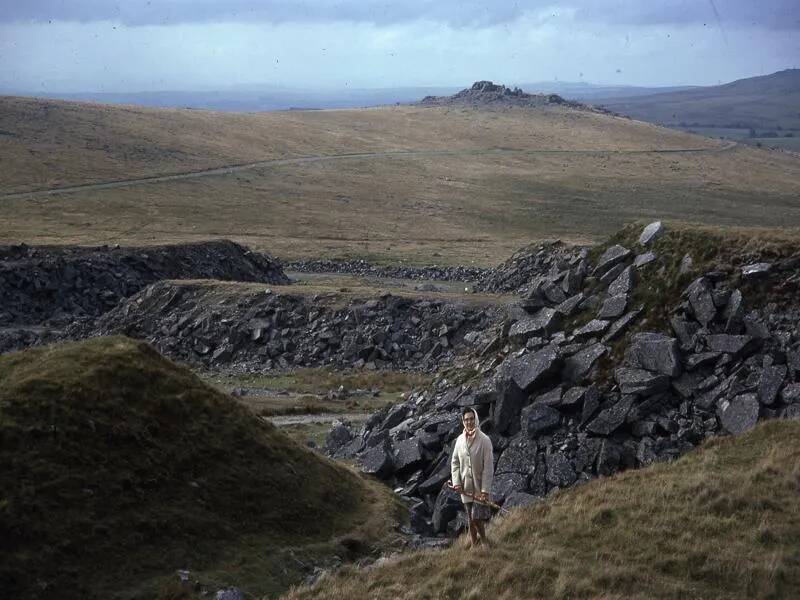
[468,410]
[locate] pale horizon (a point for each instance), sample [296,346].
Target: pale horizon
[200,45]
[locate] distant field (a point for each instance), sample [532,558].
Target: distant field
[780,141]
[493,181]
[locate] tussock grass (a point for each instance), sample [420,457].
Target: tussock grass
[118,467]
[720,522]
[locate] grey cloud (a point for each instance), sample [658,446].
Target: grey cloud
[770,14]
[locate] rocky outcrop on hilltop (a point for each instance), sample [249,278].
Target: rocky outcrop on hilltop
[257,330]
[53,286]
[486,93]
[578,388]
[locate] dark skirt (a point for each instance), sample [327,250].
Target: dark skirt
[477,511]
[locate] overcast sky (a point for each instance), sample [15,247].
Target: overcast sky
[138,45]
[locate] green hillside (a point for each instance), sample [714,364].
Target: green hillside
[721,522]
[118,467]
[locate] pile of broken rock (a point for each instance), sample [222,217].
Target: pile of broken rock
[560,411]
[257,330]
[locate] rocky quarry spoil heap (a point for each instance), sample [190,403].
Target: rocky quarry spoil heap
[583,381]
[254,329]
[44,288]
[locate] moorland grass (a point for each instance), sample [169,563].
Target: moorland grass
[118,467]
[501,179]
[720,522]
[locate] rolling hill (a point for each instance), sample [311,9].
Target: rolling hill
[765,102]
[419,184]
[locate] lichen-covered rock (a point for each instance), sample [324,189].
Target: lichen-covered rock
[532,369]
[538,419]
[739,414]
[611,418]
[640,382]
[651,233]
[702,301]
[578,366]
[655,352]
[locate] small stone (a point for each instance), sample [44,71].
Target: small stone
[610,419]
[611,275]
[578,366]
[610,258]
[445,509]
[734,309]
[644,259]
[651,233]
[508,405]
[591,329]
[547,321]
[586,454]
[623,284]
[505,484]
[686,266]
[538,419]
[730,344]
[791,393]
[519,500]
[591,402]
[702,301]
[559,470]
[702,359]
[608,458]
[613,307]
[407,455]
[551,398]
[377,462]
[756,270]
[570,306]
[685,331]
[792,412]
[531,369]
[640,382]
[338,436]
[620,325]
[573,397]
[655,352]
[740,414]
[770,383]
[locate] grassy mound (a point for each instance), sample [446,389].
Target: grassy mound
[117,465]
[721,522]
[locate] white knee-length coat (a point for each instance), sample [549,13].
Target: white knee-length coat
[472,463]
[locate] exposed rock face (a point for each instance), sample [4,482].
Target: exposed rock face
[55,285]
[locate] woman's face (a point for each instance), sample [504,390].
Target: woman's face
[469,421]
